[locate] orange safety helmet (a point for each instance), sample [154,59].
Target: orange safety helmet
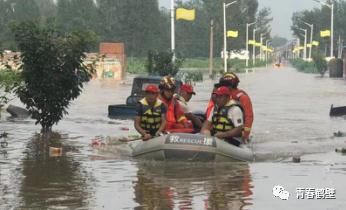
[229,79]
[167,82]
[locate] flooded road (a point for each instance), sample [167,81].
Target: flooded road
[291,118]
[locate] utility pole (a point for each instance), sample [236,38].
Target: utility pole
[224,6]
[247,45]
[211,49]
[254,47]
[172,30]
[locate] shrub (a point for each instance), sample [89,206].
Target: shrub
[320,63]
[303,66]
[190,76]
[161,63]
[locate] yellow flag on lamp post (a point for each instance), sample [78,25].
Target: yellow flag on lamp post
[233,34]
[325,33]
[252,42]
[315,43]
[185,14]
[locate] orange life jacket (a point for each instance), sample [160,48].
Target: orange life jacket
[209,109]
[175,117]
[242,97]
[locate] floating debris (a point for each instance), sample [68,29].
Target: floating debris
[3,144]
[4,135]
[55,151]
[296,159]
[342,150]
[97,141]
[339,134]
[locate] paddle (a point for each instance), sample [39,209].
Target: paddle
[115,140]
[128,140]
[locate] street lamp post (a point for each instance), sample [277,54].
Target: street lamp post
[254,47]
[261,49]
[266,54]
[247,44]
[172,30]
[262,55]
[311,34]
[224,34]
[331,6]
[305,34]
[298,47]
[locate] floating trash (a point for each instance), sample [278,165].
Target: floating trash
[97,142]
[3,135]
[339,134]
[4,144]
[296,159]
[55,151]
[342,150]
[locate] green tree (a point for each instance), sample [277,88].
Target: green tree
[320,18]
[53,71]
[263,21]
[15,10]
[25,10]
[47,9]
[192,38]
[187,41]
[6,13]
[65,14]
[134,22]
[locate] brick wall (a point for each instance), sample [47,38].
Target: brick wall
[116,51]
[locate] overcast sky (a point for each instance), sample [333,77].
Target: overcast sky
[282,11]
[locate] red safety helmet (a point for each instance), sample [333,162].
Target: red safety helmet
[188,88]
[222,91]
[152,89]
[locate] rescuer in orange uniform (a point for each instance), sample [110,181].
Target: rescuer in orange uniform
[175,116]
[231,80]
[211,103]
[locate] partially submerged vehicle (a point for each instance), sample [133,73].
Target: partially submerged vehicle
[139,84]
[337,111]
[189,147]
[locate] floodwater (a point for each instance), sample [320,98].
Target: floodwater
[291,119]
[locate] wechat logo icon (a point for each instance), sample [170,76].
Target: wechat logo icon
[279,191]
